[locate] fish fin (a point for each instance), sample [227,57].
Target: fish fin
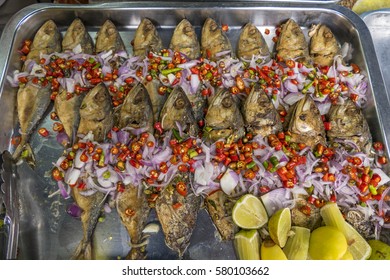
[83,251]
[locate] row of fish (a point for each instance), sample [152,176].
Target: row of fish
[224,118]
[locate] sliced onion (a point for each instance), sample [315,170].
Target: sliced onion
[74,210]
[229,181]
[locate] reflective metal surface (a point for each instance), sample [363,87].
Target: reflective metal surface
[46,231]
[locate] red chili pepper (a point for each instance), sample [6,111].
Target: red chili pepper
[382,160]
[84,157]
[43,132]
[181,188]
[378,146]
[57,174]
[328,126]
[177,205]
[158,127]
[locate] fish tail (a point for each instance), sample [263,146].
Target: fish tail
[137,253]
[83,251]
[29,157]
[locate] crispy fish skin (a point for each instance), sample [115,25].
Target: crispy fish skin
[146,39]
[133,209]
[68,111]
[132,204]
[292,43]
[348,123]
[47,40]
[91,206]
[184,40]
[96,115]
[77,36]
[260,114]
[136,110]
[219,206]
[306,125]
[109,39]
[323,45]
[252,43]
[223,119]
[178,109]
[178,222]
[32,103]
[214,40]
[158,100]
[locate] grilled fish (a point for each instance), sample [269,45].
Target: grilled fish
[260,114]
[177,110]
[292,43]
[223,119]
[158,100]
[323,45]
[96,115]
[177,213]
[32,102]
[251,43]
[214,41]
[77,38]
[132,204]
[184,40]
[146,39]
[306,125]
[219,206]
[47,40]
[109,39]
[347,122]
[300,216]
[68,112]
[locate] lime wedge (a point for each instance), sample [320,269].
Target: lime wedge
[271,251]
[279,226]
[362,6]
[249,212]
[247,244]
[357,245]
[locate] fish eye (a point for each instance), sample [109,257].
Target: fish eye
[252,31]
[111,31]
[227,102]
[302,117]
[213,27]
[100,96]
[179,103]
[187,29]
[138,98]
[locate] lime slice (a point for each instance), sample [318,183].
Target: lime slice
[362,6]
[249,212]
[347,256]
[247,244]
[279,226]
[380,250]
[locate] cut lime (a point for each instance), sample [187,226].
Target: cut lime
[247,244]
[271,251]
[357,245]
[249,212]
[279,226]
[327,243]
[362,6]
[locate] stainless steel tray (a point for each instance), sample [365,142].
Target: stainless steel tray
[46,231]
[378,23]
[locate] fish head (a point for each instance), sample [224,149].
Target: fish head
[136,111]
[108,38]
[258,109]
[292,43]
[306,118]
[177,109]
[223,116]
[96,104]
[47,36]
[77,34]
[185,40]
[146,38]
[251,42]
[323,45]
[213,39]
[346,119]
